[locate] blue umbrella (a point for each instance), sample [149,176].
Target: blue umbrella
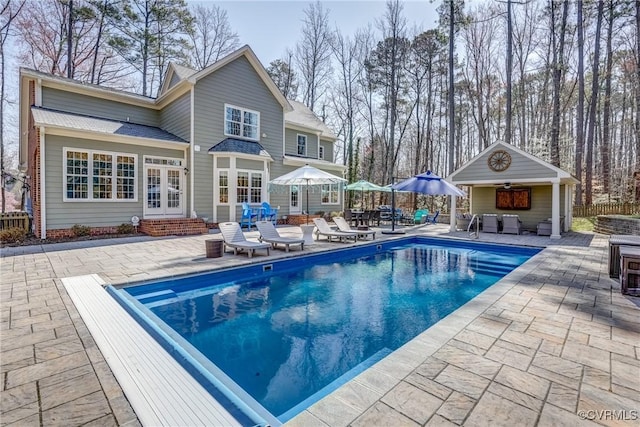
[429,183]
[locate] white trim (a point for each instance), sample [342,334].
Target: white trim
[90,176]
[192,142]
[109,137]
[255,63]
[38,93]
[306,140]
[258,157]
[321,164]
[250,172]
[519,181]
[145,167]
[337,192]
[43,189]
[559,172]
[243,110]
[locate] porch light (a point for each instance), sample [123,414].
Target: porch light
[507,185]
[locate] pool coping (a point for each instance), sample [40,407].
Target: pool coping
[386,374]
[396,365]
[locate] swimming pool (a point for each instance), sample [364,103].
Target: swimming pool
[283,334]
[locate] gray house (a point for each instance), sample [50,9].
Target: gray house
[506,180]
[211,140]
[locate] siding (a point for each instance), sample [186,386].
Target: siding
[65,214]
[237,84]
[291,143]
[521,168]
[97,107]
[484,201]
[175,117]
[328,150]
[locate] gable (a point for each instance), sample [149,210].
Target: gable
[523,167]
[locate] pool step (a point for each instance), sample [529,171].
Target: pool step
[155,296]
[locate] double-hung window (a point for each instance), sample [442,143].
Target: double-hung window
[97,175]
[302,145]
[249,187]
[330,194]
[242,123]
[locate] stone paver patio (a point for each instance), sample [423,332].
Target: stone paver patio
[553,343]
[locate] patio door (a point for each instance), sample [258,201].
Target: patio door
[294,200]
[164,191]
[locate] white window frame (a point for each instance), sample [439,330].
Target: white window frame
[334,191]
[306,145]
[227,174]
[114,176]
[250,173]
[243,111]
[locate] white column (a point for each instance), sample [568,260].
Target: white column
[452,219]
[555,209]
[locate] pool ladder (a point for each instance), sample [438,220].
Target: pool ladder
[476,232]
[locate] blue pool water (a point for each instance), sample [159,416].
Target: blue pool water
[288,333]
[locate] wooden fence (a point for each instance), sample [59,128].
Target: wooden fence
[14,220]
[606,209]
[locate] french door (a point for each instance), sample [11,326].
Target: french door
[294,200]
[164,191]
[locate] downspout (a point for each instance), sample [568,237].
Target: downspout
[192,137]
[43,192]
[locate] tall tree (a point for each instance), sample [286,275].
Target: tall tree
[211,35]
[313,54]
[558,69]
[283,75]
[507,133]
[606,113]
[580,107]
[152,33]
[593,105]
[637,122]
[9,10]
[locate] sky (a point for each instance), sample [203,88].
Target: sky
[269,27]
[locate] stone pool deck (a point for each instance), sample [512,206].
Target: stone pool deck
[553,343]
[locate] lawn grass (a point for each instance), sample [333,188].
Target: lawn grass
[583,224]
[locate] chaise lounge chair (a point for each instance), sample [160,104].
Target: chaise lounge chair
[343,226]
[234,238]
[269,234]
[323,229]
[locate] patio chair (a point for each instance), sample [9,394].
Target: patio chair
[511,224]
[269,234]
[343,225]
[234,238]
[489,223]
[268,213]
[323,229]
[433,219]
[420,216]
[249,216]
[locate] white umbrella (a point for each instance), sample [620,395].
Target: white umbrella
[307,176]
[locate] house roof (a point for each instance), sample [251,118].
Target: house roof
[59,119]
[183,72]
[524,168]
[232,145]
[302,116]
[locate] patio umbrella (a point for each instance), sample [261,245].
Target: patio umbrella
[307,176]
[363,186]
[429,183]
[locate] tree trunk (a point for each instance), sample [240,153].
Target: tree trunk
[606,114]
[507,134]
[580,108]
[592,109]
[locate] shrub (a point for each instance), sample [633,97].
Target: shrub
[81,230]
[126,228]
[12,235]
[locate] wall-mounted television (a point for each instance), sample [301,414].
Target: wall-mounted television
[513,198]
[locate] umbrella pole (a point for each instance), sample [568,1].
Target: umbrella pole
[307,201]
[393,213]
